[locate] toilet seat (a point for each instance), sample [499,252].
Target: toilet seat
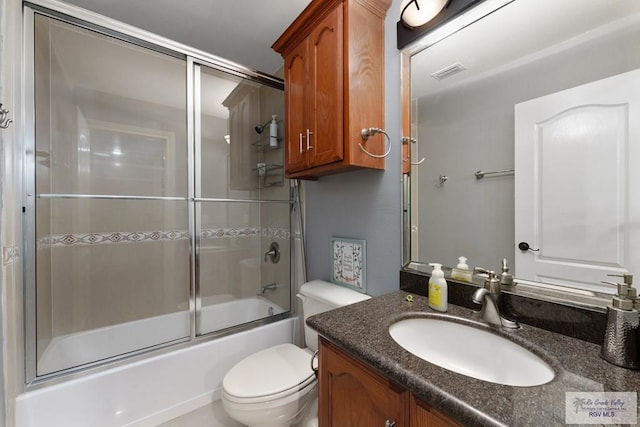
[270,374]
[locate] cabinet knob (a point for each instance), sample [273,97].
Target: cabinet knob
[389,423]
[301,142]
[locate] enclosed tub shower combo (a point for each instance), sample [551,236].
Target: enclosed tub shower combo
[157,216]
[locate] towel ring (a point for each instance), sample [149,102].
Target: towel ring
[366,133]
[406,140]
[414,163]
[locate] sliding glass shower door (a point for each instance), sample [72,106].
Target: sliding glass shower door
[242,202]
[111,197]
[152,199]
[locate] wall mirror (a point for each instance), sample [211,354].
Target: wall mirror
[524,121]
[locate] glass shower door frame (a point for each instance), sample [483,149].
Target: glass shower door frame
[193,58]
[196,68]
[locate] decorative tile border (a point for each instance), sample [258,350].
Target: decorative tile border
[221,233]
[84,239]
[277,233]
[115,237]
[10,254]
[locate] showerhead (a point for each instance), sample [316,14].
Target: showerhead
[259,129]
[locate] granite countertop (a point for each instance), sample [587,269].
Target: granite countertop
[362,330]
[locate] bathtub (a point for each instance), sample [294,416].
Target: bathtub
[150,391]
[216,316]
[220,312]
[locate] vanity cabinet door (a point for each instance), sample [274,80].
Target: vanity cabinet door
[352,394]
[422,415]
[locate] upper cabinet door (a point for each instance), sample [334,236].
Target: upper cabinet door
[296,82]
[336,88]
[326,91]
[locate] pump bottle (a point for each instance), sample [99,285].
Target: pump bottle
[461,272]
[273,132]
[438,297]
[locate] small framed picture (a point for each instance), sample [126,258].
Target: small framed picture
[348,263]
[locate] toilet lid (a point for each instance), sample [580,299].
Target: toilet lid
[270,371]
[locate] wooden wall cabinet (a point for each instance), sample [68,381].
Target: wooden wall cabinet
[334,86]
[352,394]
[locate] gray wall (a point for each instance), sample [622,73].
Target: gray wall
[364,204]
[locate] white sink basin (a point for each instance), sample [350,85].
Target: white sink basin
[471,351]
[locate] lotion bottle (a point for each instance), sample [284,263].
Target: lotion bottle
[438,297]
[273,132]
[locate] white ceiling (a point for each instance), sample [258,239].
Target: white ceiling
[238,30]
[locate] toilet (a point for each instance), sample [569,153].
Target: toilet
[276,387]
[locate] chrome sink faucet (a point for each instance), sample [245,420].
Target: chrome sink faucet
[489,297]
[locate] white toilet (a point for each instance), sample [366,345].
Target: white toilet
[276,387]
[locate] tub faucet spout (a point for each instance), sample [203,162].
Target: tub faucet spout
[269,287]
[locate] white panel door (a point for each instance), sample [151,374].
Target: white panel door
[577,183]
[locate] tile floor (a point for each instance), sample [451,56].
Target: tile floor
[207,416]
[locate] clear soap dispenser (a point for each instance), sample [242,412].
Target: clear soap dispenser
[621,344]
[462,272]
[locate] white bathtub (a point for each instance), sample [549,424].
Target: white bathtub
[218,316]
[150,391]
[220,312]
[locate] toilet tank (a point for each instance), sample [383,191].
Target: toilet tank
[319,296]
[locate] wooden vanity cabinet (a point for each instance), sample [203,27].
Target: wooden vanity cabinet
[334,86]
[353,394]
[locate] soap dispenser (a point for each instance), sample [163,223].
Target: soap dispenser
[506,278]
[461,272]
[621,344]
[438,297]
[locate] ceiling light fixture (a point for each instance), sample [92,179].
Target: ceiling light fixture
[415,13]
